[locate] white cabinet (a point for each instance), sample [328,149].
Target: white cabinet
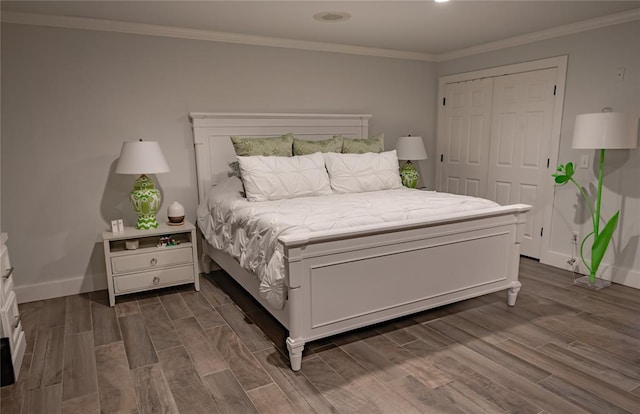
[10,325]
[151,265]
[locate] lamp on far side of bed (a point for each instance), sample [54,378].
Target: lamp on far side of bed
[410,148]
[599,131]
[143,157]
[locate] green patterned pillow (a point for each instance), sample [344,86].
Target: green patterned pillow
[361,146]
[304,147]
[281,146]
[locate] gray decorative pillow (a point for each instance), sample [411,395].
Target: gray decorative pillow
[304,147]
[361,146]
[281,146]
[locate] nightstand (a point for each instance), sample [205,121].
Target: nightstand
[152,265]
[10,324]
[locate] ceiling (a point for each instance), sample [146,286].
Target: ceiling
[420,27]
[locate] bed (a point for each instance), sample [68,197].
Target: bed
[417,264]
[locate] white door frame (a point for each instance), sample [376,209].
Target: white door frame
[547,190]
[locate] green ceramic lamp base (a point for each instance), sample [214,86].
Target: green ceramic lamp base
[409,175]
[146,200]
[146,223]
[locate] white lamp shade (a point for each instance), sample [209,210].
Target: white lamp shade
[141,157]
[605,130]
[411,148]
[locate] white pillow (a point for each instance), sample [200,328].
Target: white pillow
[275,178]
[356,173]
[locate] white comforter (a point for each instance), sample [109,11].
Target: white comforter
[249,231]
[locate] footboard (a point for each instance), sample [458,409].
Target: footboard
[338,281]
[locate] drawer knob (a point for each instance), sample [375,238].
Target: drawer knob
[154,261]
[6,275]
[156,280]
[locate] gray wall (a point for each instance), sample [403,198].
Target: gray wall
[70,97]
[591,85]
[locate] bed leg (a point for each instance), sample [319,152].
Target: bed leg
[205,263]
[295,348]
[512,295]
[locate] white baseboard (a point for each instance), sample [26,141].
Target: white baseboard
[627,277]
[59,288]
[84,284]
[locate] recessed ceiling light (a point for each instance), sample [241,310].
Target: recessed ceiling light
[332,16]
[441,1]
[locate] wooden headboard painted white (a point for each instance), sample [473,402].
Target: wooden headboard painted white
[214,151]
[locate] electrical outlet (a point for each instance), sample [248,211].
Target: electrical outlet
[584,161]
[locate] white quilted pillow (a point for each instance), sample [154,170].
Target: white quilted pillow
[357,173]
[275,178]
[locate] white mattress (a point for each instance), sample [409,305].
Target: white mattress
[249,231]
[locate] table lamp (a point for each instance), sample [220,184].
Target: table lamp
[143,157]
[601,131]
[410,148]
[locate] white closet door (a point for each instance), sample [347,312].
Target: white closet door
[466,134]
[522,117]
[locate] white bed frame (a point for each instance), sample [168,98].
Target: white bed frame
[341,280]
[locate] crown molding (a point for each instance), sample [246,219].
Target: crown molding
[568,29]
[85,23]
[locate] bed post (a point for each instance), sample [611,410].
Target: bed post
[521,217]
[512,295]
[297,307]
[205,261]
[295,348]
[295,344]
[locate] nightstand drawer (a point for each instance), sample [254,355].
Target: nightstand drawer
[5,264]
[153,279]
[11,319]
[6,275]
[152,260]
[6,287]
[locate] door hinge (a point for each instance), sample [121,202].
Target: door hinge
[547,162]
[441,157]
[541,231]
[554,89]
[444,101]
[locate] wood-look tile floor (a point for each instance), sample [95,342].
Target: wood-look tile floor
[562,349]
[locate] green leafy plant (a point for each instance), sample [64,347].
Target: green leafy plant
[602,238]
